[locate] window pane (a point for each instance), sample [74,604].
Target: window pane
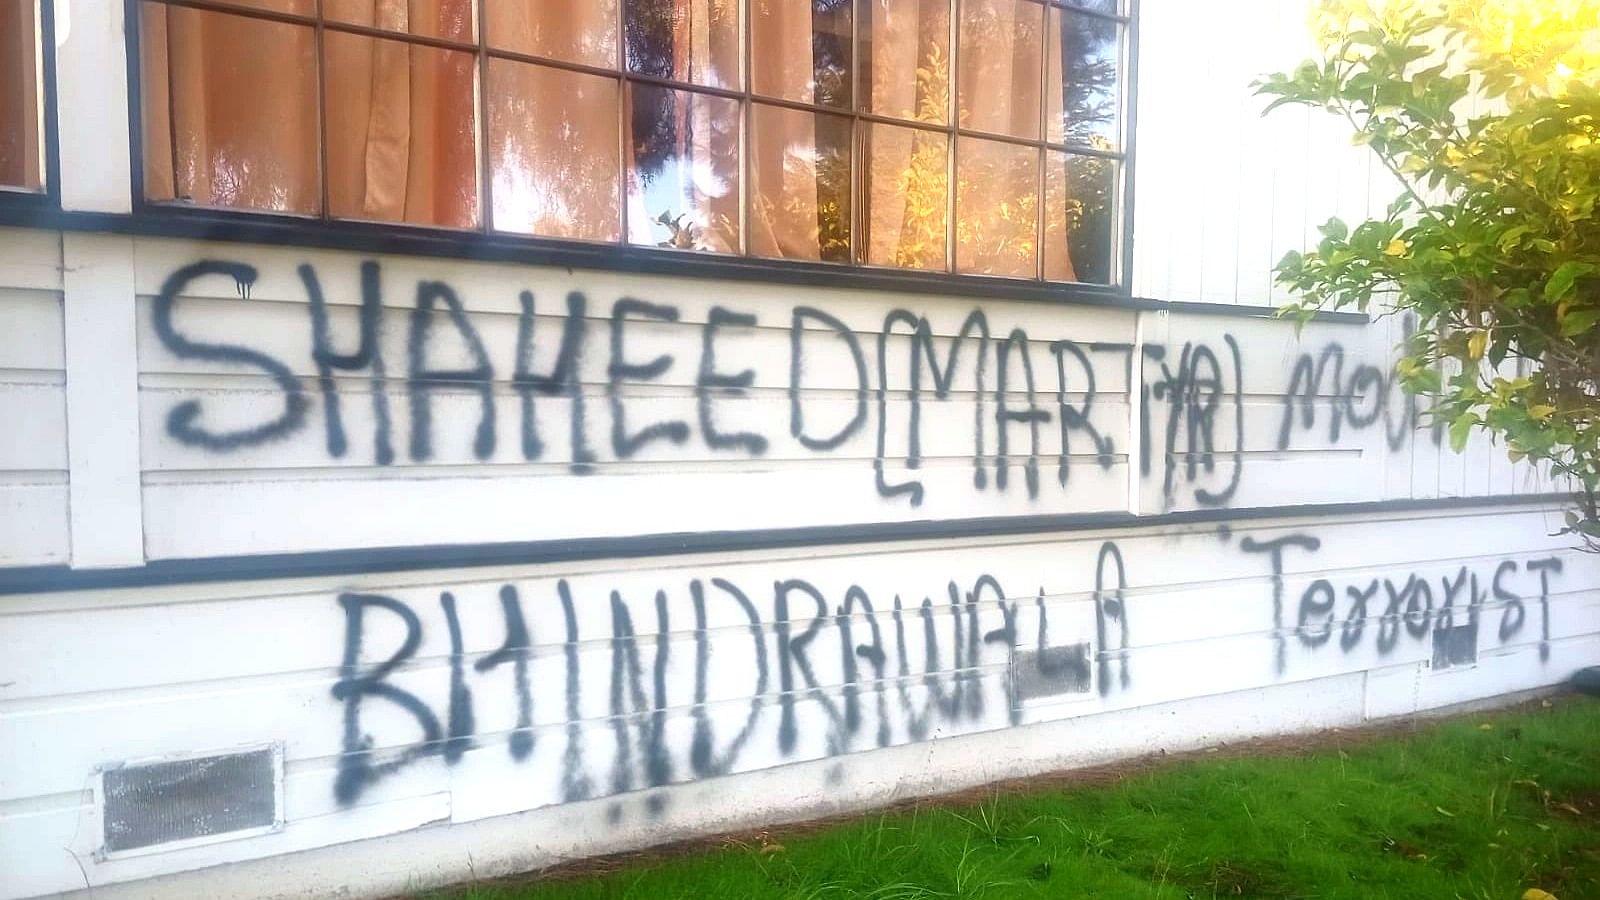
[1106,6]
[447,19]
[1081,77]
[800,171]
[683,177]
[306,8]
[685,40]
[554,144]
[905,48]
[997,208]
[800,50]
[401,135]
[19,97]
[1002,48]
[905,191]
[580,31]
[230,110]
[1081,217]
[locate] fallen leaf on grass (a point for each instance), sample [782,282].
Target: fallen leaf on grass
[1536,894]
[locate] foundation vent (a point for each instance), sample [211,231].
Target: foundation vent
[172,803]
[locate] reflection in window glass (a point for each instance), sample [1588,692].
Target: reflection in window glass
[800,190]
[447,19]
[905,49]
[580,31]
[683,173]
[997,208]
[800,50]
[685,40]
[1081,72]
[401,144]
[904,186]
[554,152]
[1080,216]
[1000,79]
[1108,7]
[20,136]
[230,110]
[978,136]
[292,7]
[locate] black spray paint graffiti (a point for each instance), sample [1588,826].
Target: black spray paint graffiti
[1358,402]
[1186,393]
[1193,394]
[840,673]
[1410,608]
[841,664]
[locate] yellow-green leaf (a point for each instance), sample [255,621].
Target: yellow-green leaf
[1396,247]
[1542,411]
[1477,342]
[1537,894]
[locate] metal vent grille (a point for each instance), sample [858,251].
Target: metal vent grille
[195,800]
[1050,672]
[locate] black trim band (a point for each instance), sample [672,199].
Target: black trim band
[45,579]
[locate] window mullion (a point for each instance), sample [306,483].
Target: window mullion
[325,192]
[1040,155]
[624,121]
[485,170]
[952,125]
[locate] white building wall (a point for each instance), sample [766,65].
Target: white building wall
[1220,528]
[1222,192]
[33,459]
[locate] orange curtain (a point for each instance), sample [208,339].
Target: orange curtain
[19,96]
[1006,87]
[555,139]
[1060,207]
[906,56]
[231,115]
[800,161]
[231,118]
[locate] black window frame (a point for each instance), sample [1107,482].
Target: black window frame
[327,233]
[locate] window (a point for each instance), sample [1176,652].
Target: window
[968,136]
[21,134]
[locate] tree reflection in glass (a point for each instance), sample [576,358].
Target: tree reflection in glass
[800,50]
[554,151]
[1080,214]
[685,40]
[997,208]
[580,31]
[1083,60]
[683,175]
[998,75]
[800,184]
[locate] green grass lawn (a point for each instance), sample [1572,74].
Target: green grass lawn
[1483,806]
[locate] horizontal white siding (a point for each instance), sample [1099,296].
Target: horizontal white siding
[1221,191]
[98,677]
[33,421]
[657,703]
[232,355]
